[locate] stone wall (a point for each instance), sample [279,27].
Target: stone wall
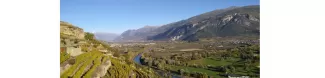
[74,51]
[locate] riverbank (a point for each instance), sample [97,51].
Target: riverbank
[137,59]
[160,72]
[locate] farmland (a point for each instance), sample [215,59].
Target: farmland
[198,59]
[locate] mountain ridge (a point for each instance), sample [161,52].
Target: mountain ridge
[105,36]
[231,21]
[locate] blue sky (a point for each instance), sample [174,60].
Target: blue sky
[117,16]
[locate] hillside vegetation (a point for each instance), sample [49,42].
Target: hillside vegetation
[83,56]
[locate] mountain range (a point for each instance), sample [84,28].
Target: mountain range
[137,34]
[227,22]
[105,36]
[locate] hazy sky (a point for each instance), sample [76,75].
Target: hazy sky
[116,16]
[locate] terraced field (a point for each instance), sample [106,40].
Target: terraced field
[64,57]
[84,65]
[120,69]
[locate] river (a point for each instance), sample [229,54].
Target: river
[137,60]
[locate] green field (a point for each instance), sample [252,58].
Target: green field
[192,70]
[208,61]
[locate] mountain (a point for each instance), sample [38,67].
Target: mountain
[228,22]
[105,36]
[137,34]
[233,21]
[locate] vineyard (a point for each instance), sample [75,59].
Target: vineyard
[64,56]
[94,57]
[84,65]
[88,65]
[120,69]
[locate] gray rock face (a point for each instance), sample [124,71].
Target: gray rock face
[236,21]
[232,21]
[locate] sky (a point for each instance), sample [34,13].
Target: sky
[117,16]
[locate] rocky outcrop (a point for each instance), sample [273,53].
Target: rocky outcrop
[71,31]
[64,66]
[70,37]
[102,69]
[74,51]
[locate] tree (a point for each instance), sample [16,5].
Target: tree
[195,74]
[178,62]
[222,69]
[128,59]
[205,75]
[116,54]
[89,36]
[181,71]
[200,75]
[149,63]
[231,68]
[161,66]
[155,62]
[186,73]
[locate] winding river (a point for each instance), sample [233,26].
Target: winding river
[137,60]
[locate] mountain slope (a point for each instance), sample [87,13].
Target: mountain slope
[105,36]
[233,21]
[137,34]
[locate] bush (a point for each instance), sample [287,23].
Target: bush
[89,36]
[116,54]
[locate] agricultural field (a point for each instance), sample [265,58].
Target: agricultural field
[197,59]
[84,64]
[64,56]
[92,64]
[209,62]
[193,70]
